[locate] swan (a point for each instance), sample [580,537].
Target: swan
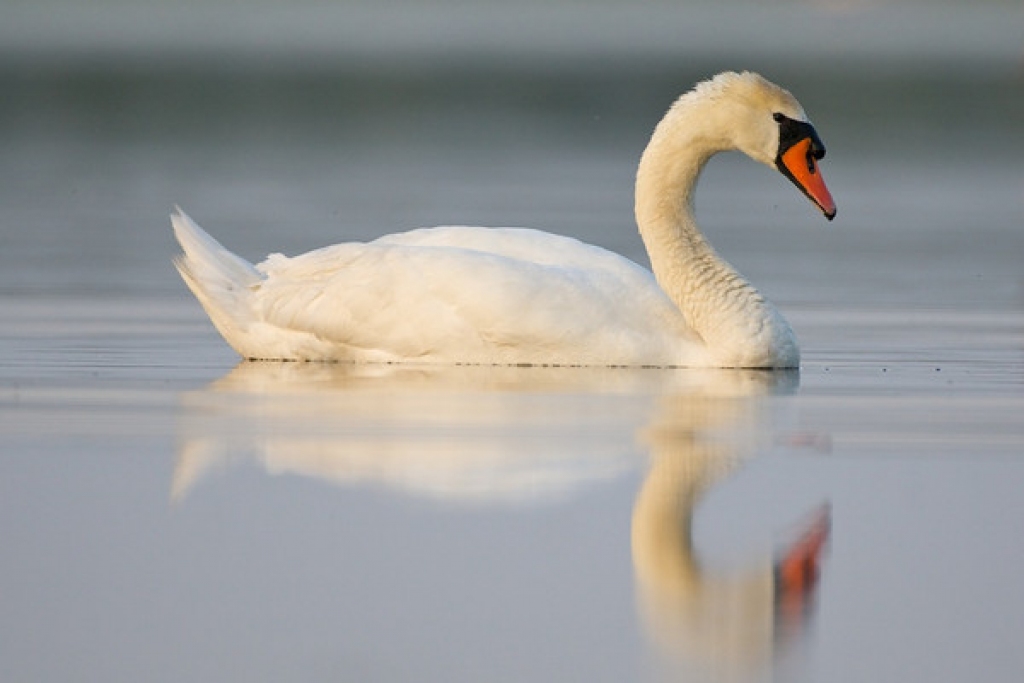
[513,296]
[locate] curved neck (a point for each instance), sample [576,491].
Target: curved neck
[735,322]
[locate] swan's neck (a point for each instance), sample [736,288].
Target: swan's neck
[738,326]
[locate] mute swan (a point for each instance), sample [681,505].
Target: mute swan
[517,296]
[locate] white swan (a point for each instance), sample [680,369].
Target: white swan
[516,296]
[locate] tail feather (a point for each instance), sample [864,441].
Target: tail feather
[208,260]
[221,280]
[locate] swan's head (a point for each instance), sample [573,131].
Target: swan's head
[766,123]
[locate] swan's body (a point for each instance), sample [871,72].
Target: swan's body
[516,296]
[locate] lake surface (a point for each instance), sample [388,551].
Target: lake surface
[169,514]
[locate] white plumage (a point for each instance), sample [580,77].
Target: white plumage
[519,296]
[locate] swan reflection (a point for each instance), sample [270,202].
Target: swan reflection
[454,433]
[727,622]
[485,434]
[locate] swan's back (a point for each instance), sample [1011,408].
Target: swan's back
[520,244]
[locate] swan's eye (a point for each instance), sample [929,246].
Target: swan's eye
[779,118]
[814,153]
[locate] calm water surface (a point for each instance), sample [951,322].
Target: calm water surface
[167,514]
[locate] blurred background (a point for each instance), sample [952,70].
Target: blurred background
[287,126]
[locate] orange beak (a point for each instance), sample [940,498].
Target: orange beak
[798,163]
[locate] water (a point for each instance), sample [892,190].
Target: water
[167,514]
